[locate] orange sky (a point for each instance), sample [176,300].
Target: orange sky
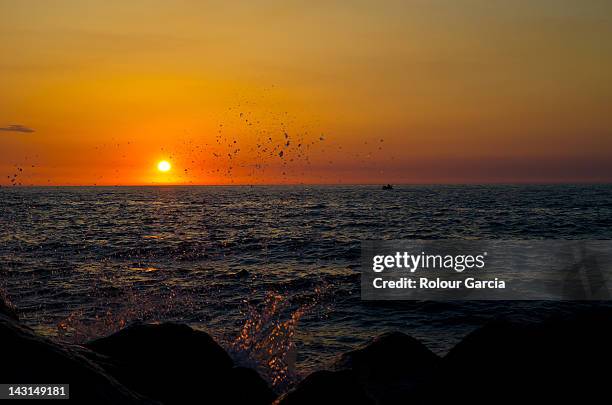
[366,91]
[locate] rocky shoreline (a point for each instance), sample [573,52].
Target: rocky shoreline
[558,361]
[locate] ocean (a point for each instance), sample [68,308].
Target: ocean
[272,272]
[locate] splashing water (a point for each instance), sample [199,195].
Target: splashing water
[266,341]
[79,327]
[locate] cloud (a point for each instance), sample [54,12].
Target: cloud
[16,128]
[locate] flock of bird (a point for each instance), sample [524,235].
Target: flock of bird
[250,145]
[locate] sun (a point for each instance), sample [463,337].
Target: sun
[163,166]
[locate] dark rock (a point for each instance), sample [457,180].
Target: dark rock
[390,366]
[558,361]
[174,363]
[28,358]
[163,342]
[327,388]
[388,355]
[249,388]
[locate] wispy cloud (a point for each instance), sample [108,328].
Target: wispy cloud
[16,128]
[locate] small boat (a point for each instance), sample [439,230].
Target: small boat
[387,187]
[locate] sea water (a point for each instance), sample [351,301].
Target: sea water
[271,272]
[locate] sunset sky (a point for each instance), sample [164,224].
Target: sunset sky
[423,91]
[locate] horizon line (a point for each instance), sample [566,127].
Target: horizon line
[511,183]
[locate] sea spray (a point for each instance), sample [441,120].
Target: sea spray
[265,341]
[130,306]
